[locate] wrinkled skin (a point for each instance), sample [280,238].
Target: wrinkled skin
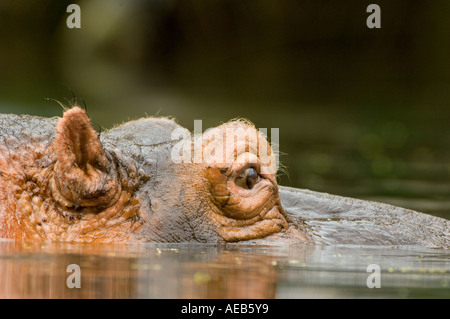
[61,181]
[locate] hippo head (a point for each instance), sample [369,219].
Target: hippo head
[149,181]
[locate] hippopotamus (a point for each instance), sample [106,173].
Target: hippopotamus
[150,180]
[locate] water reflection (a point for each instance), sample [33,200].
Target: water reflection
[40,271]
[234,271]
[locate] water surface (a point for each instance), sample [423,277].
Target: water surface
[231,271]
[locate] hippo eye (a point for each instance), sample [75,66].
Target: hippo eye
[247,179]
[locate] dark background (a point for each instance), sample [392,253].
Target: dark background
[361,112]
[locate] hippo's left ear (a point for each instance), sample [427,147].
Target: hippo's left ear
[84,177]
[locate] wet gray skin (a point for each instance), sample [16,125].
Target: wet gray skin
[330,219]
[132,191]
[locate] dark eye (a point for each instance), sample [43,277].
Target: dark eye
[247,179]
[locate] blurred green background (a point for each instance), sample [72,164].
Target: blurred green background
[361,112]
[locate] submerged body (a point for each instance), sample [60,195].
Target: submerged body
[61,181]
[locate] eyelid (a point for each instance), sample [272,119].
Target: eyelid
[239,169]
[244,161]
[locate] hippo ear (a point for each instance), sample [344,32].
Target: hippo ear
[77,143]
[83,175]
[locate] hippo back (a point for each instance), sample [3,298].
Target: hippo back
[18,131]
[331,219]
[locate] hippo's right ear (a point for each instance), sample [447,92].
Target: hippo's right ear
[84,177]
